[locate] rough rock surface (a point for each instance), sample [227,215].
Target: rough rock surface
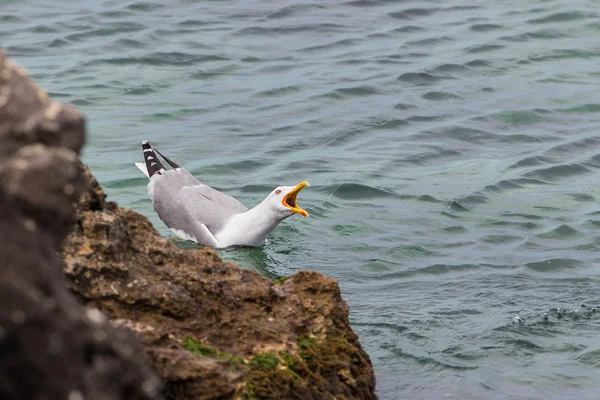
[213,330]
[51,347]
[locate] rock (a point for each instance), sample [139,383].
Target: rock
[213,330]
[51,347]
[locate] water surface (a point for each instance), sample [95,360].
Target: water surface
[452,149]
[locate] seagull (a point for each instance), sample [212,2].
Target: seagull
[195,211]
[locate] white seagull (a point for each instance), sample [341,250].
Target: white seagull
[195,211]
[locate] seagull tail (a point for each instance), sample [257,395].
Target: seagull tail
[153,164]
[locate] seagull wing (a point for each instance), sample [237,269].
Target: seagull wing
[186,204]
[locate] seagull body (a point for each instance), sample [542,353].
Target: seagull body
[195,211]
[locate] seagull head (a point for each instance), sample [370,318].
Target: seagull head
[283,200]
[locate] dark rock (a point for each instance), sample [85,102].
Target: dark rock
[213,330]
[51,347]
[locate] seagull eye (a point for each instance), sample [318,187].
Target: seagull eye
[277,191]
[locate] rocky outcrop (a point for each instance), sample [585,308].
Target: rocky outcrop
[51,347]
[213,330]
[209,329]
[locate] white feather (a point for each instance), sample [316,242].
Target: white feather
[142,167]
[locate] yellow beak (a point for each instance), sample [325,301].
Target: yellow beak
[289,200]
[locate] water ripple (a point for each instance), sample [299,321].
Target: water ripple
[452,152]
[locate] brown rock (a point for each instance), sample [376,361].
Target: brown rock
[213,330]
[50,346]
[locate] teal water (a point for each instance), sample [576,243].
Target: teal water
[452,149]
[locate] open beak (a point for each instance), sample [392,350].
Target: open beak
[289,200]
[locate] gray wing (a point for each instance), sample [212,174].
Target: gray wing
[183,202]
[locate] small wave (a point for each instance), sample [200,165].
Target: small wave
[40,29]
[524,344]
[20,51]
[388,123]
[277,92]
[7,18]
[547,34]
[132,43]
[161,59]
[591,358]
[404,106]
[575,147]
[558,172]
[561,232]
[464,134]
[194,23]
[478,63]
[518,117]
[583,109]
[59,94]
[330,46]
[434,41]
[144,6]
[58,43]
[115,14]
[261,189]
[419,78]
[553,264]
[530,181]
[409,252]
[428,199]
[561,54]
[523,215]
[174,115]
[454,229]
[441,96]
[139,91]
[527,226]
[482,48]
[246,165]
[501,239]
[81,102]
[358,128]
[126,183]
[426,118]
[108,30]
[425,158]
[502,185]
[357,191]
[582,197]
[449,69]
[413,13]
[471,199]
[532,162]
[383,325]
[432,362]
[563,17]
[290,11]
[485,27]
[409,29]
[358,91]
[288,30]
